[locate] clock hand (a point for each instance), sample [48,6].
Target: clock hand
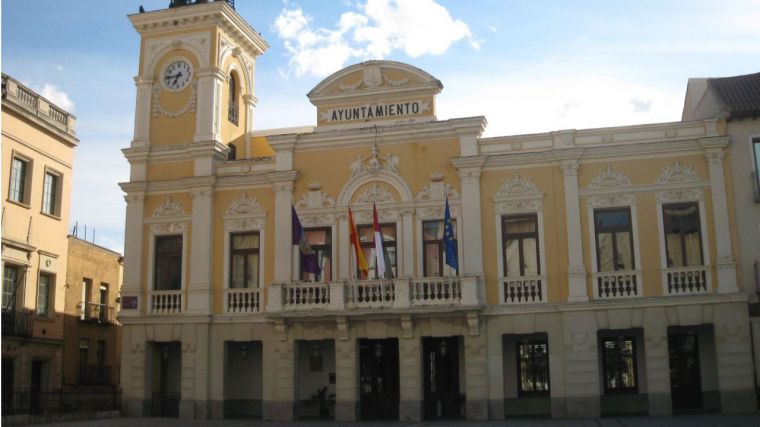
[177,76]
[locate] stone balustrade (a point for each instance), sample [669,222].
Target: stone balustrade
[685,280]
[523,290]
[617,284]
[165,302]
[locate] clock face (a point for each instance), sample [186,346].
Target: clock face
[177,75]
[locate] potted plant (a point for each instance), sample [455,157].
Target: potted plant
[326,402]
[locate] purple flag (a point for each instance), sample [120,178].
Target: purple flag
[309,260]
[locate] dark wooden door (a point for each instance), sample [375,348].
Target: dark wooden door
[379,379]
[440,363]
[685,377]
[36,387]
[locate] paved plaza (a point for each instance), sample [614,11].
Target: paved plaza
[752,420]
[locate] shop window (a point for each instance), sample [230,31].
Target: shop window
[167,262]
[533,368]
[320,241]
[367,240]
[683,235]
[434,248]
[244,260]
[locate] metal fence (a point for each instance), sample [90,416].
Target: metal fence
[17,323]
[37,402]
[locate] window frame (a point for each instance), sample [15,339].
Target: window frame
[182,255]
[27,179]
[57,193]
[614,231]
[315,248]
[233,107]
[14,295]
[519,237]
[372,245]
[50,294]
[232,252]
[518,360]
[681,234]
[441,244]
[634,359]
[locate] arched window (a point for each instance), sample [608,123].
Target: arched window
[232,109]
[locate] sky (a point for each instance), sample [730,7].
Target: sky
[528,66]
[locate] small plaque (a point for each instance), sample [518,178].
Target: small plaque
[129,302]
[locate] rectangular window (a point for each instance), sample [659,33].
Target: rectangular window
[434,248]
[84,347]
[103,303]
[533,368]
[619,364]
[367,240]
[519,235]
[11,275]
[756,171]
[614,242]
[244,260]
[683,236]
[50,194]
[43,294]
[17,191]
[167,274]
[320,241]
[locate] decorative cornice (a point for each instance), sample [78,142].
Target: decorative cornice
[677,173]
[377,194]
[244,205]
[169,208]
[517,186]
[610,178]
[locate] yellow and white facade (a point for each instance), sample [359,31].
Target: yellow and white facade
[590,261]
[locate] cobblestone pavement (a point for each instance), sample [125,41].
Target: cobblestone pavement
[701,420]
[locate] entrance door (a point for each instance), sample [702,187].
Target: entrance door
[166,394]
[440,362]
[685,378]
[36,387]
[7,392]
[379,379]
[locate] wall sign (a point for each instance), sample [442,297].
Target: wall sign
[129,302]
[376,111]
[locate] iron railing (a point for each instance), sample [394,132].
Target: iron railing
[17,323]
[28,401]
[97,313]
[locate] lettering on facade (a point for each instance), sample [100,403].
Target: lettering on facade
[376,111]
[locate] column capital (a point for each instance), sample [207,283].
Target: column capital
[715,156]
[569,167]
[250,100]
[143,80]
[135,198]
[212,72]
[206,193]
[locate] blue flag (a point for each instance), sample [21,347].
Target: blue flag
[449,241]
[309,260]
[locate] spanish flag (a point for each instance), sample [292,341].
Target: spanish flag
[360,261]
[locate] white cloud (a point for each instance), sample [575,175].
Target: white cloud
[57,97]
[372,31]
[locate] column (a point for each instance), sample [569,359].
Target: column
[476,376]
[208,104]
[472,236]
[133,242]
[346,393]
[142,111]
[194,382]
[283,231]
[408,236]
[581,365]
[657,362]
[734,356]
[576,272]
[344,248]
[725,261]
[279,380]
[199,290]
[250,102]
[495,360]
[410,379]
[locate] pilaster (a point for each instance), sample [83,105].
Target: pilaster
[142,112]
[472,236]
[476,375]
[410,378]
[199,289]
[407,224]
[208,111]
[344,253]
[283,199]
[655,326]
[734,357]
[725,264]
[250,102]
[279,380]
[576,271]
[581,365]
[346,393]
[133,243]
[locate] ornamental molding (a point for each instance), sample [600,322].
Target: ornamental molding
[313,220]
[315,198]
[677,173]
[611,200]
[437,211]
[198,44]
[610,178]
[244,224]
[169,208]
[518,195]
[373,77]
[518,206]
[437,190]
[680,195]
[374,163]
[364,216]
[190,106]
[517,186]
[243,205]
[168,228]
[377,193]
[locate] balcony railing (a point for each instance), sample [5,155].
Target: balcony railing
[373,294]
[97,313]
[17,323]
[36,402]
[523,290]
[685,280]
[617,284]
[166,302]
[242,300]
[94,375]
[20,96]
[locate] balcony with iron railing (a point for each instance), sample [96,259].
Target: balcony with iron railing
[375,295]
[17,323]
[96,313]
